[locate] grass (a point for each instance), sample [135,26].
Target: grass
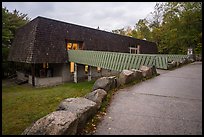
[23,104]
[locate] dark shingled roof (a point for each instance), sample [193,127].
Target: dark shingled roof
[44,40]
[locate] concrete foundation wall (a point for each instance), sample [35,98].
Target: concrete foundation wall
[62,70]
[21,75]
[94,73]
[106,72]
[62,74]
[57,69]
[30,79]
[65,73]
[82,75]
[44,82]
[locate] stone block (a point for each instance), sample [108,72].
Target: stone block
[97,96]
[126,76]
[137,74]
[82,107]
[106,83]
[146,71]
[55,123]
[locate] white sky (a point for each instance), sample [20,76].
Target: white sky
[107,15]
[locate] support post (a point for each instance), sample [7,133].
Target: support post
[138,49]
[75,72]
[89,73]
[33,74]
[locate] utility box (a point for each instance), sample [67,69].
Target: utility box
[191,54]
[190,51]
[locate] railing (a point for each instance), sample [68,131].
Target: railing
[162,60]
[111,60]
[120,61]
[176,57]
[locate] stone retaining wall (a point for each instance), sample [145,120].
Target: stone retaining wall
[175,64]
[72,114]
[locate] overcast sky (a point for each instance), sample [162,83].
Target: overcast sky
[106,15]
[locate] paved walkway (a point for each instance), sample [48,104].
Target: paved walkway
[170,103]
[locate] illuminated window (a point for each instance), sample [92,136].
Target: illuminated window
[69,46]
[98,69]
[86,68]
[71,67]
[75,46]
[45,65]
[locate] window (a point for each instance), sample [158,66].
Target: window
[72,67]
[74,45]
[69,46]
[86,68]
[45,65]
[98,69]
[135,49]
[45,70]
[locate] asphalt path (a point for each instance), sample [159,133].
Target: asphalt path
[169,104]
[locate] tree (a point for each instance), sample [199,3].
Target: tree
[155,24]
[126,31]
[119,31]
[11,21]
[156,16]
[143,31]
[173,26]
[182,22]
[176,26]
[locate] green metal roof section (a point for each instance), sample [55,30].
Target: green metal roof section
[120,61]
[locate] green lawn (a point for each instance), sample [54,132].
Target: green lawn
[22,104]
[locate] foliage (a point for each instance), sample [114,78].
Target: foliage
[11,21]
[119,31]
[143,31]
[173,26]
[126,31]
[23,104]
[182,22]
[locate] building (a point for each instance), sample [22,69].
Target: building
[43,43]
